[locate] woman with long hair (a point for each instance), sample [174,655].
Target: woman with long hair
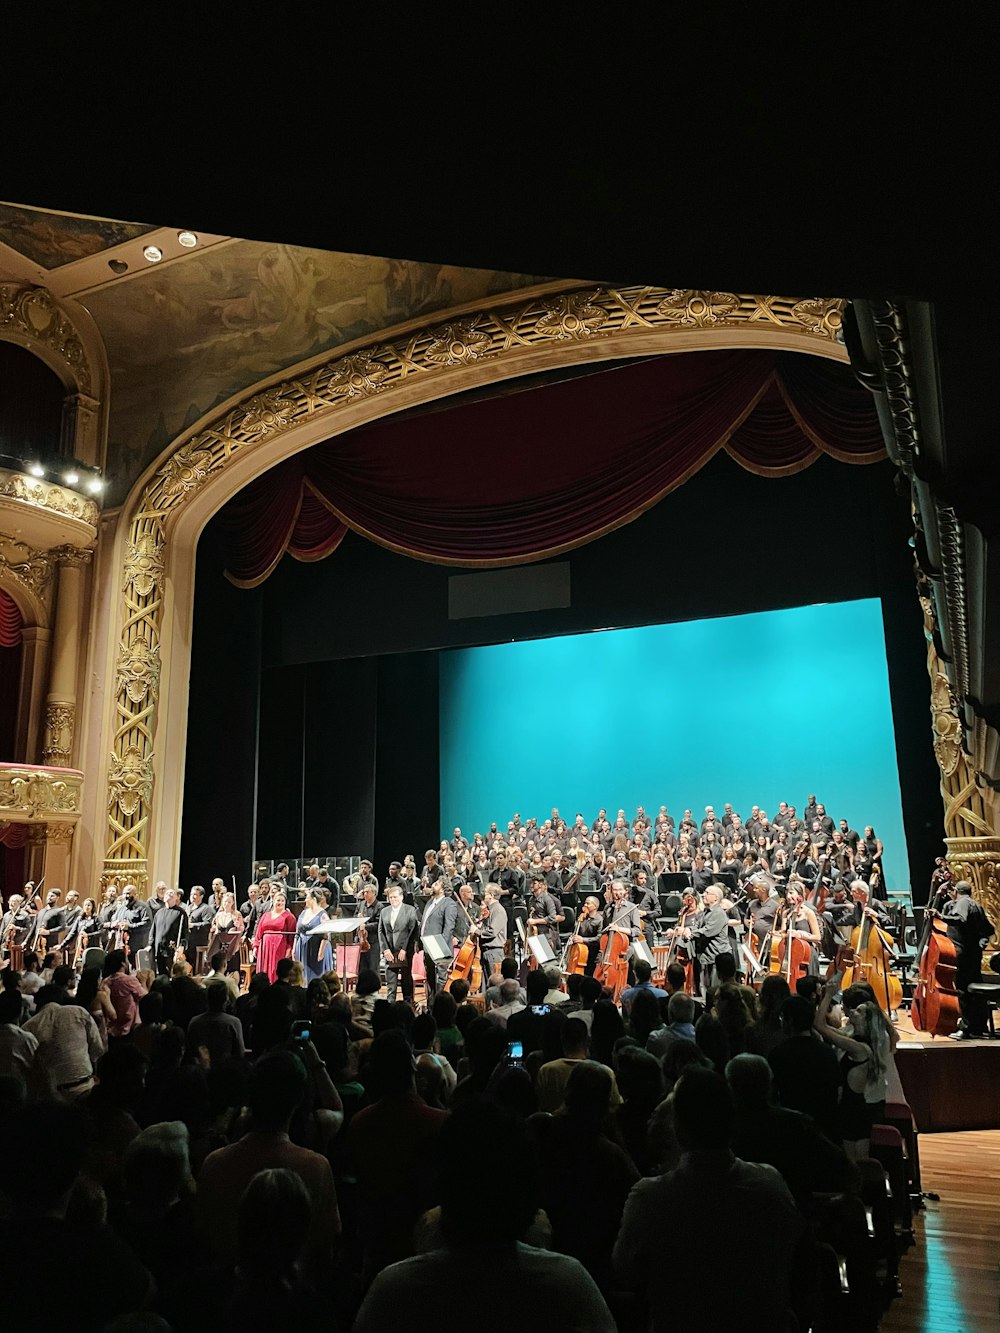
[274,937]
[866,1052]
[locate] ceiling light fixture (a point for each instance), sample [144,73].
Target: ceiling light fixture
[95,485]
[36,470]
[71,478]
[153,253]
[188,239]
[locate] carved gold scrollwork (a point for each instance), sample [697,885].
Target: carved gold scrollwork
[138,670]
[59,724]
[59,833]
[28,567]
[458,344]
[144,562]
[977,860]
[701,308]
[130,779]
[32,315]
[326,389]
[35,792]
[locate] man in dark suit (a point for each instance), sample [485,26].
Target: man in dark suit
[170,931]
[397,936]
[438,919]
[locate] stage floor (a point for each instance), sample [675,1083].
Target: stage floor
[949,1085]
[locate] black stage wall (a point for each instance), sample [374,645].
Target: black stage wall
[328,666]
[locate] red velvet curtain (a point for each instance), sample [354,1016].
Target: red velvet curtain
[534,473]
[10,622]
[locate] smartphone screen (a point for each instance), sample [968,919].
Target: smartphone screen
[515,1052]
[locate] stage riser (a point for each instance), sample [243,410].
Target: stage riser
[951,1085]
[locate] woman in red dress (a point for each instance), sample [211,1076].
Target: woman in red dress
[274,937]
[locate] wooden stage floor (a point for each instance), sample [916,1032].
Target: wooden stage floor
[950,1277]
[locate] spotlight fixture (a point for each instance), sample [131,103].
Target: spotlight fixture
[71,478]
[95,485]
[152,253]
[36,470]
[188,239]
[117,267]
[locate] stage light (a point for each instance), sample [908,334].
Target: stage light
[71,478]
[95,485]
[153,253]
[188,239]
[36,470]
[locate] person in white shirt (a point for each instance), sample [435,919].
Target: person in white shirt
[69,1046]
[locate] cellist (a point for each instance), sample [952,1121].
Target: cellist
[622,913]
[797,913]
[709,934]
[588,929]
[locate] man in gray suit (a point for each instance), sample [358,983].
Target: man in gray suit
[397,935]
[438,919]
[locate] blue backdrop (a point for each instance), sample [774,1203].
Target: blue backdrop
[751,709]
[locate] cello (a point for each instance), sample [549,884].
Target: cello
[935,1007]
[791,951]
[611,969]
[689,908]
[467,965]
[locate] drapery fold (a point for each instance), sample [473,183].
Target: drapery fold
[10,621]
[537,472]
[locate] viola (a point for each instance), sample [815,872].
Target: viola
[935,1007]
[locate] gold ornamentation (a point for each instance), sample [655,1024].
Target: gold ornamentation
[700,308]
[266,413]
[820,316]
[35,793]
[458,344]
[60,720]
[977,860]
[144,563]
[76,557]
[325,390]
[185,471]
[130,779]
[33,316]
[356,376]
[138,671]
[34,572]
[48,496]
[59,833]
[575,316]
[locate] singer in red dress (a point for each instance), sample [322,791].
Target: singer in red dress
[274,937]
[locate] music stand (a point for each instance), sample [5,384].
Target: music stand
[640,949]
[341,925]
[540,949]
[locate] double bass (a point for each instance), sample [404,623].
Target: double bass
[867,960]
[935,1007]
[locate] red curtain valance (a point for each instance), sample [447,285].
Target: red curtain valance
[14,835]
[533,473]
[10,621]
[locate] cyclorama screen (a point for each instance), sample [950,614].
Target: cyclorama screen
[749,710]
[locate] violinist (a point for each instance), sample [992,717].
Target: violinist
[588,929]
[16,920]
[369,909]
[797,913]
[134,917]
[468,911]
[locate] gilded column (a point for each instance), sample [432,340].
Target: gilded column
[60,710]
[970,824]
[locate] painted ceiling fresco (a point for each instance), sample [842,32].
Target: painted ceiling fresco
[54,239]
[185,336]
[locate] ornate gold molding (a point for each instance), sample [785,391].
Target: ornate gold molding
[977,860]
[598,317]
[60,721]
[36,793]
[48,496]
[33,317]
[32,569]
[60,833]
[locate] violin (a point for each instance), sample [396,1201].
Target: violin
[935,1007]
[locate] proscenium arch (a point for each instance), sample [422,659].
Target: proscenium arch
[207,465]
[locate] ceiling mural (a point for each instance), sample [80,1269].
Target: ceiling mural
[184,336]
[182,339]
[54,239]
